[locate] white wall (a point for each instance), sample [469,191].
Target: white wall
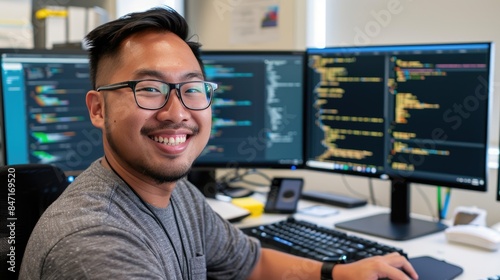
[372,22]
[124,7]
[16,28]
[213,21]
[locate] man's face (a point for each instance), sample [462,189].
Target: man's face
[132,136]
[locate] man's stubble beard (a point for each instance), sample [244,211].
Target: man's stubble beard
[158,174]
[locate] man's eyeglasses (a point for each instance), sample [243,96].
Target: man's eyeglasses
[154,94]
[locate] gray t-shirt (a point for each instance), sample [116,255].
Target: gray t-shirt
[100,229]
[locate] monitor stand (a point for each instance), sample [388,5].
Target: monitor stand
[398,225]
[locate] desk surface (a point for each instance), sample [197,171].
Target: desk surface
[476,263]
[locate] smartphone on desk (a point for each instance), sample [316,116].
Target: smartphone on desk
[284,195]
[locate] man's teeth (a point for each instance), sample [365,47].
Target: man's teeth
[170,140]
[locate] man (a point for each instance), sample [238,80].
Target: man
[131,214]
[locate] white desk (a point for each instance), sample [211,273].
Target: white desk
[476,263]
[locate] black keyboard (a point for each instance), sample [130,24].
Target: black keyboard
[309,240]
[495,277]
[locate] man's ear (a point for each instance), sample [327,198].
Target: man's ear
[95,105]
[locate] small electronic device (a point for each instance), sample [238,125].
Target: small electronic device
[479,236]
[284,195]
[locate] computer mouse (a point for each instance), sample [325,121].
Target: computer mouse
[479,236]
[496,226]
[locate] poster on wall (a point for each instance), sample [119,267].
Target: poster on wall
[16,30]
[255,22]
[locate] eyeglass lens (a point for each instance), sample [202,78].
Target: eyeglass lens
[152,94]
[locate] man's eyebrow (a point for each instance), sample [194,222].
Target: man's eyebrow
[191,75]
[160,76]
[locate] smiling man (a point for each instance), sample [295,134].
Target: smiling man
[149,137]
[132,214]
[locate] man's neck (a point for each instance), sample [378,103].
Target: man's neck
[154,194]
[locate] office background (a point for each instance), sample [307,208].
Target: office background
[317,23]
[367,22]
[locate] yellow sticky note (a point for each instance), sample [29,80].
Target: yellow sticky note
[251,204]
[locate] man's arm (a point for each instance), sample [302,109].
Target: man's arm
[277,265]
[273,264]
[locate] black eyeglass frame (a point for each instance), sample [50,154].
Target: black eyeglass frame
[177,86]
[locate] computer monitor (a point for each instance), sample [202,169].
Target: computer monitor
[257,119]
[44,116]
[407,113]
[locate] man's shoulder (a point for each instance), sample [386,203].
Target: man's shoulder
[90,201]
[86,211]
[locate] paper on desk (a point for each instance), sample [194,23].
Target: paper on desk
[318,211]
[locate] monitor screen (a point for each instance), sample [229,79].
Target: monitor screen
[257,109]
[346,117]
[44,115]
[408,113]
[416,112]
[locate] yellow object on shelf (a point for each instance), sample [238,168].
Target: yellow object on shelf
[46,12]
[251,204]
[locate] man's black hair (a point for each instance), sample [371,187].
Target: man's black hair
[105,40]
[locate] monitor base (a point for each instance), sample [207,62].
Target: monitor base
[381,226]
